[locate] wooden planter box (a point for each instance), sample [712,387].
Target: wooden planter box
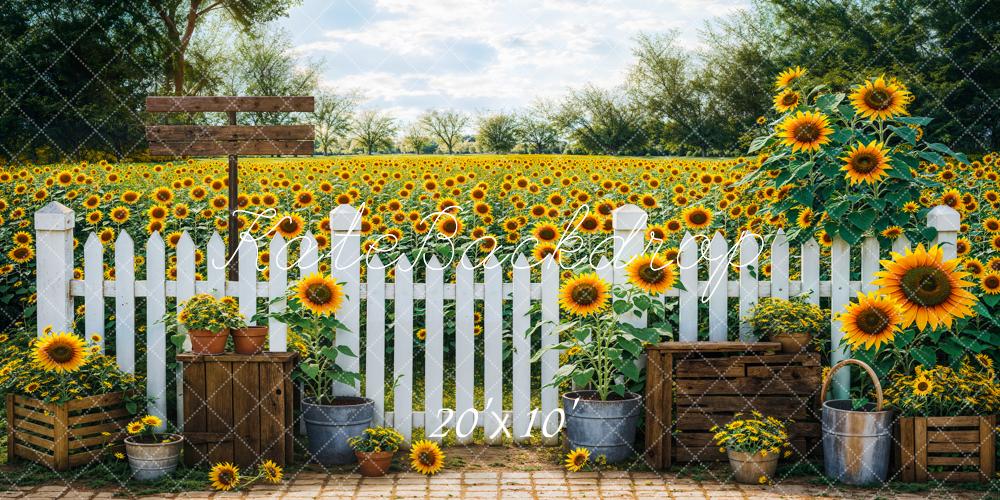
[693,386]
[64,435]
[955,449]
[238,408]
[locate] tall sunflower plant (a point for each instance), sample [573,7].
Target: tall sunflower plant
[600,347]
[847,162]
[309,314]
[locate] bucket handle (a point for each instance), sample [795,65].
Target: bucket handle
[862,364]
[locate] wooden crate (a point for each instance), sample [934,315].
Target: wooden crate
[65,435]
[238,408]
[693,386]
[955,449]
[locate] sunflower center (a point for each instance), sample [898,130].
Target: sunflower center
[579,460]
[864,163]
[699,218]
[926,286]
[878,99]
[650,275]
[288,225]
[589,224]
[807,132]
[992,282]
[427,458]
[585,294]
[872,321]
[922,386]
[449,226]
[60,353]
[547,233]
[319,293]
[789,99]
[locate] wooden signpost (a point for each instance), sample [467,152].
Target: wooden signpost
[231,140]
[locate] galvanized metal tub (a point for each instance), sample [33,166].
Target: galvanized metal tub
[328,427]
[154,460]
[857,444]
[603,427]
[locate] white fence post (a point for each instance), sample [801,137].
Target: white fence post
[345,267]
[54,270]
[840,296]
[156,331]
[947,221]
[629,223]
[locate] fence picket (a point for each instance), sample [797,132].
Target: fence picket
[186,287]
[840,295]
[156,331]
[493,350]
[308,256]
[749,288]
[465,348]
[93,283]
[521,322]
[216,272]
[125,302]
[277,270]
[687,261]
[901,244]
[247,285]
[550,360]
[810,271]
[869,263]
[434,348]
[375,341]
[718,288]
[779,265]
[402,413]
[629,223]
[345,244]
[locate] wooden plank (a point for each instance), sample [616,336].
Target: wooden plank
[465,349]
[550,359]
[93,278]
[289,404]
[920,450]
[193,104]
[954,476]
[246,412]
[214,148]
[493,352]
[952,447]
[749,271]
[20,411]
[695,387]
[188,133]
[11,455]
[784,406]
[952,436]
[41,430]
[104,414]
[668,409]
[46,442]
[267,357]
[195,411]
[219,399]
[719,346]
[718,282]
[869,263]
[375,339]
[403,350]
[60,447]
[109,399]
[521,341]
[949,422]
[434,349]
[987,448]
[272,413]
[688,298]
[966,461]
[656,424]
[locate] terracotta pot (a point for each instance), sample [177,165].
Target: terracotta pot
[749,468]
[208,342]
[374,464]
[250,340]
[793,342]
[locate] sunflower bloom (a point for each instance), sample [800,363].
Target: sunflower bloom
[866,163]
[320,294]
[584,295]
[426,457]
[881,98]
[60,352]
[871,321]
[805,131]
[576,459]
[224,476]
[651,273]
[931,291]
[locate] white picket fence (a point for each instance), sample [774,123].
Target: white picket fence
[57,289]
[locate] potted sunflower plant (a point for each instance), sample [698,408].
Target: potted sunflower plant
[151,454]
[793,323]
[330,420]
[603,352]
[208,322]
[375,448]
[753,446]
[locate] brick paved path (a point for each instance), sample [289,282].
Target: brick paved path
[552,484]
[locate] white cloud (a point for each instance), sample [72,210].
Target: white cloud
[409,55]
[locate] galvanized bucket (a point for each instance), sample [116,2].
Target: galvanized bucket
[152,461]
[856,444]
[603,427]
[328,428]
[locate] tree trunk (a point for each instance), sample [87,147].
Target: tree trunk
[179,73]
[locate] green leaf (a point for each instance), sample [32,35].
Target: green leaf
[829,102]
[941,148]
[802,170]
[346,351]
[310,369]
[621,307]
[759,142]
[914,120]
[634,348]
[931,157]
[583,377]
[841,136]
[906,133]
[863,219]
[630,370]
[926,356]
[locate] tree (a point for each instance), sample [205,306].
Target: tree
[498,133]
[538,133]
[332,118]
[415,141]
[263,66]
[445,126]
[180,18]
[374,131]
[602,121]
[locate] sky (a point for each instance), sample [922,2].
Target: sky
[406,56]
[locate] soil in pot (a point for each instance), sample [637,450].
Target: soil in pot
[374,464]
[250,340]
[150,458]
[605,428]
[208,342]
[793,342]
[329,426]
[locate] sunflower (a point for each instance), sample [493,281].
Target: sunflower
[871,321]
[990,283]
[21,255]
[135,427]
[931,291]
[881,98]
[584,295]
[60,352]
[224,476]
[320,294]
[651,273]
[805,131]
[271,471]
[866,163]
[152,421]
[545,232]
[786,100]
[576,459]
[426,457]
[922,386]
[697,217]
[786,77]
[289,225]
[449,226]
